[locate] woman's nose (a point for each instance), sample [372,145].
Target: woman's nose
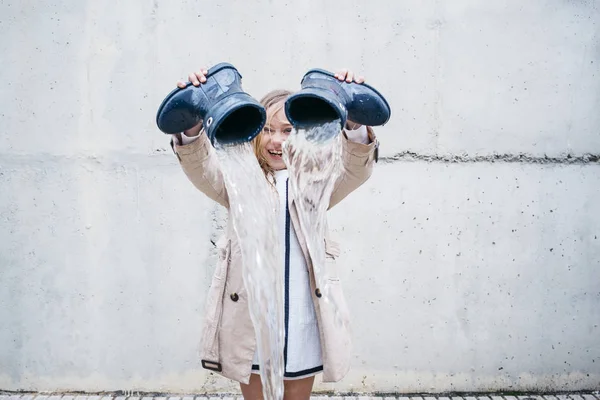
[278,137]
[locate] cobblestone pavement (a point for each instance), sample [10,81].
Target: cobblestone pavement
[137,396]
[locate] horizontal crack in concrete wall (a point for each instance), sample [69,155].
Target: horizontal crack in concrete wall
[409,156]
[162,158]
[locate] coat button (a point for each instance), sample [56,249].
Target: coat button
[318,293]
[234,297]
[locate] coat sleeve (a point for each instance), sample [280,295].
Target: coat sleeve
[357,160]
[199,162]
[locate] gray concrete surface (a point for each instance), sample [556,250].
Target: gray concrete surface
[471,258]
[131,395]
[487,272]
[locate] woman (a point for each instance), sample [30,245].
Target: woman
[316,341]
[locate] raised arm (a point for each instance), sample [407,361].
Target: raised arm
[199,162]
[359,150]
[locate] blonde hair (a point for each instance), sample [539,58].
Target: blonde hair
[275,98]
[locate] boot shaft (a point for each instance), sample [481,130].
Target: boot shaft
[229,114]
[323,98]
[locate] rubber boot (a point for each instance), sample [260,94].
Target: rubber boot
[323,98]
[229,114]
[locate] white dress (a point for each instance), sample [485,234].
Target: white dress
[302,351]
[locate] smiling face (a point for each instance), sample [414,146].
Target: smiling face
[276,131]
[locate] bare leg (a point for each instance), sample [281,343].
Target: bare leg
[253,390]
[299,389]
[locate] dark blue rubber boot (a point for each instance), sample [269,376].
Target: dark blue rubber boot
[323,98]
[229,114]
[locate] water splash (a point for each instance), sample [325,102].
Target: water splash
[314,160]
[253,209]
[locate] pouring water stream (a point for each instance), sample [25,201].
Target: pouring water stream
[313,157]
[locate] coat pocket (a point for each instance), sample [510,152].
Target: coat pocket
[214,303]
[332,253]
[223,256]
[332,249]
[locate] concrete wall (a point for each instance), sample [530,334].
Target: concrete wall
[471,259]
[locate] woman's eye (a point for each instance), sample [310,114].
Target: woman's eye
[287,131]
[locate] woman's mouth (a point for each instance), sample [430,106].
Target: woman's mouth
[274,153]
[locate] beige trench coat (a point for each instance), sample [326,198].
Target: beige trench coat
[228,338]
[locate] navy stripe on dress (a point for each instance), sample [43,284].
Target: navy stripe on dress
[287,274]
[294,374]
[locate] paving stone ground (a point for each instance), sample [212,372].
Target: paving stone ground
[53,396]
